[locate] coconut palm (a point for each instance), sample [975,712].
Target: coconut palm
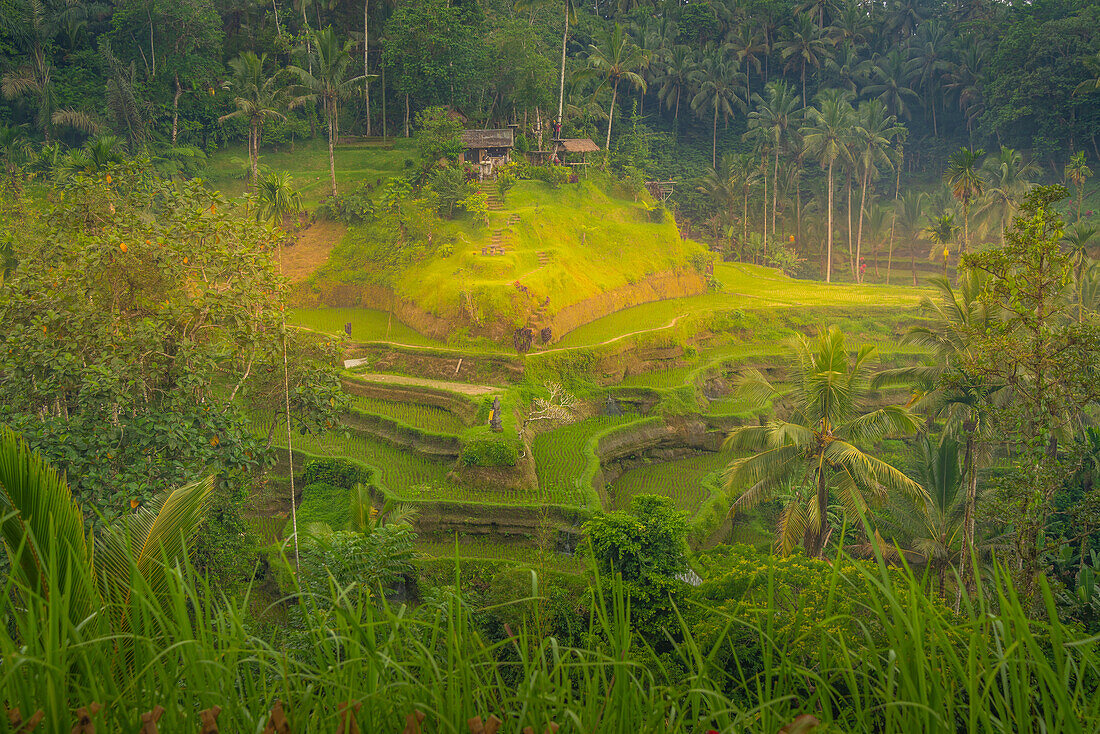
[806,46]
[931,50]
[817,446]
[848,69]
[52,553]
[963,81]
[909,212]
[34,79]
[964,178]
[258,98]
[1009,177]
[678,66]
[276,198]
[891,80]
[750,48]
[946,389]
[873,136]
[1079,240]
[327,83]
[773,121]
[941,232]
[721,88]
[96,156]
[1078,172]
[615,59]
[826,137]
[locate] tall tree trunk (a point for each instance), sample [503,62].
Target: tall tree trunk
[829,234]
[331,147]
[815,537]
[561,82]
[406,114]
[745,223]
[176,108]
[966,232]
[254,150]
[764,207]
[851,249]
[383,101]
[676,119]
[775,188]
[366,63]
[714,144]
[913,262]
[859,233]
[275,7]
[893,223]
[611,113]
[970,468]
[803,83]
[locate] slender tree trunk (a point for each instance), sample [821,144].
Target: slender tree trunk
[851,250]
[561,82]
[803,83]
[176,108]
[966,232]
[859,233]
[383,102]
[815,537]
[406,114]
[764,208]
[611,113]
[366,62]
[714,144]
[829,234]
[775,188]
[913,262]
[254,150]
[893,223]
[275,7]
[970,467]
[745,223]
[676,119]
[331,147]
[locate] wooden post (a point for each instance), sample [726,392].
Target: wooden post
[348,724]
[84,716]
[278,723]
[209,719]
[15,719]
[412,722]
[149,720]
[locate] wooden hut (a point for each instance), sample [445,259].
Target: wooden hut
[488,146]
[573,147]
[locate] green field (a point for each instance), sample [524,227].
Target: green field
[418,415]
[367,324]
[308,166]
[682,480]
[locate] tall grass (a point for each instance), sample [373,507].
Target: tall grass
[918,667]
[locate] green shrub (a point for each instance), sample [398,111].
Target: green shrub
[490,452]
[337,472]
[324,503]
[351,208]
[553,175]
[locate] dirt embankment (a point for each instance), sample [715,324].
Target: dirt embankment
[660,441]
[311,251]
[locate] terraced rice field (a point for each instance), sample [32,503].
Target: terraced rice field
[560,458]
[682,480]
[418,415]
[523,555]
[367,324]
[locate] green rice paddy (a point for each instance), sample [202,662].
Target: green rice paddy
[367,324]
[562,459]
[681,480]
[428,418]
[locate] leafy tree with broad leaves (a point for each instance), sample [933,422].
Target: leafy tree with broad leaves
[141,331]
[816,447]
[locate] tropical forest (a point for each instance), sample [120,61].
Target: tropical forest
[535,367]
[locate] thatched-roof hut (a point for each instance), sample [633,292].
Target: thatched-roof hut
[483,145]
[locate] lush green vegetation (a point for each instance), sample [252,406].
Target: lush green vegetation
[427,417]
[682,480]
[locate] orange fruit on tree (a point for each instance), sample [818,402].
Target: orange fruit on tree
[134,503]
[122,247]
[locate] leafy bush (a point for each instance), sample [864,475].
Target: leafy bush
[553,175]
[360,564]
[324,503]
[490,452]
[351,208]
[335,472]
[438,135]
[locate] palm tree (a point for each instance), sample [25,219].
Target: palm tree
[745,172]
[964,81]
[327,83]
[773,121]
[874,134]
[721,87]
[932,40]
[258,99]
[1092,84]
[933,527]
[276,198]
[34,79]
[95,157]
[946,389]
[1078,172]
[1079,239]
[750,48]
[966,183]
[890,80]
[51,553]
[1009,178]
[848,69]
[909,215]
[818,445]
[677,72]
[941,232]
[806,46]
[615,59]
[825,138]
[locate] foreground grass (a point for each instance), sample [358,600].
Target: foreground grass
[920,668]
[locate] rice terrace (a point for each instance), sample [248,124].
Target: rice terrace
[477,366]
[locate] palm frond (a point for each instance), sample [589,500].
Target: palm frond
[891,420]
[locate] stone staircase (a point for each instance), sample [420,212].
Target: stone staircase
[499,242]
[544,258]
[490,189]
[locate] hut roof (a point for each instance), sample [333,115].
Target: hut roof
[503,138]
[579,145]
